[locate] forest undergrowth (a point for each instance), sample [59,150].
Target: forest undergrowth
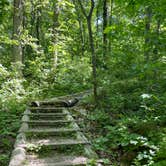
[116,48]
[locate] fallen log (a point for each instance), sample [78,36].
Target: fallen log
[56,103]
[62,101]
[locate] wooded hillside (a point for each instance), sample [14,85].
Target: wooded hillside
[116,48]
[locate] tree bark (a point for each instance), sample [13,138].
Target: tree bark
[17,30]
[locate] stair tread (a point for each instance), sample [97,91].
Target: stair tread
[49,121]
[56,160]
[46,114]
[46,108]
[55,142]
[51,130]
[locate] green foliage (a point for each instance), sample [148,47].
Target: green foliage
[9,125]
[4,159]
[129,122]
[12,89]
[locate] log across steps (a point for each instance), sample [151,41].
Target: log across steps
[50,136]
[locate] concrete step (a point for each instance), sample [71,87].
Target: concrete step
[56,160]
[47,117]
[49,123]
[46,122]
[54,142]
[45,114]
[56,124]
[46,109]
[52,130]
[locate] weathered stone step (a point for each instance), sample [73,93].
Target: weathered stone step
[47,117]
[60,130]
[49,122]
[53,142]
[56,125]
[46,109]
[56,160]
[67,135]
[45,114]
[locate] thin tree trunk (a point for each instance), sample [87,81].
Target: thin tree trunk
[82,37]
[81,28]
[38,24]
[38,29]
[91,41]
[110,23]
[17,30]
[32,18]
[105,22]
[155,51]
[24,27]
[55,32]
[147,33]
[97,22]
[93,59]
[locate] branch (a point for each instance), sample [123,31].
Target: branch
[91,9]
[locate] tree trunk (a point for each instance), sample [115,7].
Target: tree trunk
[97,20]
[38,26]
[32,18]
[55,32]
[17,30]
[155,51]
[93,59]
[97,23]
[81,36]
[38,23]
[147,48]
[110,23]
[24,27]
[91,41]
[105,22]
[81,28]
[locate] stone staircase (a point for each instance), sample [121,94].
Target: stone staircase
[50,136]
